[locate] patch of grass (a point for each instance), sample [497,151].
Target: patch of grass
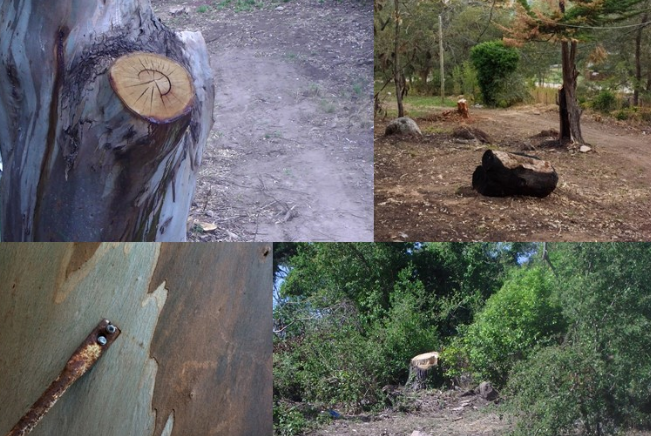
[239,5]
[436,130]
[411,113]
[327,107]
[274,134]
[314,89]
[291,56]
[196,228]
[202,9]
[246,5]
[357,88]
[222,4]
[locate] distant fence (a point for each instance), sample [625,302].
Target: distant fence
[548,95]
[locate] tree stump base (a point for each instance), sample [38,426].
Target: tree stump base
[419,369]
[462,108]
[503,174]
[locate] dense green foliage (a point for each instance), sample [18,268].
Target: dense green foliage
[348,317]
[523,315]
[604,101]
[601,375]
[494,63]
[569,345]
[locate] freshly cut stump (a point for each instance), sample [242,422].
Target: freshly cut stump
[420,367]
[503,174]
[152,86]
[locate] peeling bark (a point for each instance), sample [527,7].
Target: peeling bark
[78,165]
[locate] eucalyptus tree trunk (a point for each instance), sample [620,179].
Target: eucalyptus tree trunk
[81,161]
[193,356]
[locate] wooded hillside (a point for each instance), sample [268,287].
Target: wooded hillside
[561,330]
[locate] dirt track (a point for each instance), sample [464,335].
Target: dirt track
[290,156]
[423,192]
[436,413]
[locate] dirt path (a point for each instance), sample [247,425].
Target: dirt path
[436,413]
[423,192]
[290,156]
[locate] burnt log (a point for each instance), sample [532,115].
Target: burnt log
[503,174]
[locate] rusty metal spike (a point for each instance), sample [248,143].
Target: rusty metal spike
[79,363]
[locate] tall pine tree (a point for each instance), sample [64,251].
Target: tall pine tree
[568,23]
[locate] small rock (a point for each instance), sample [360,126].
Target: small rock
[280,8]
[419,433]
[487,391]
[178,10]
[584,149]
[401,126]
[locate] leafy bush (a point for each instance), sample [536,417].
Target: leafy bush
[556,388]
[513,91]
[494,62]
[599,381]
[405,331]
[521,316]
[604,101]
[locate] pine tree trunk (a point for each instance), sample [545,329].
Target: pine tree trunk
[638,61]
[78,164]
[193,356]
[570,111]
[397,74]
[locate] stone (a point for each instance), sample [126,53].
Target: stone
[401,126]
[178,10]
[584,149]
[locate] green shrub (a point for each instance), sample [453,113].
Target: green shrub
[522,315]
[622,115]
[494,62]
[454,360]
[555,389]
[512,91]
[604,102]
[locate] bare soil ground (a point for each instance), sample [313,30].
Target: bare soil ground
[423,185]
[290,156]
[436,413]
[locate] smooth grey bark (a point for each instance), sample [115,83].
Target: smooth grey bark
[79,166]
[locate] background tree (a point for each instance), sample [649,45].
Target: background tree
[568,24]
[599,376]
[494,62]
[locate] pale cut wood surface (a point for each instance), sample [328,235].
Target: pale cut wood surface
[195,340]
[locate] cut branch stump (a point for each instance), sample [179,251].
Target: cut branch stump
[104,114]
